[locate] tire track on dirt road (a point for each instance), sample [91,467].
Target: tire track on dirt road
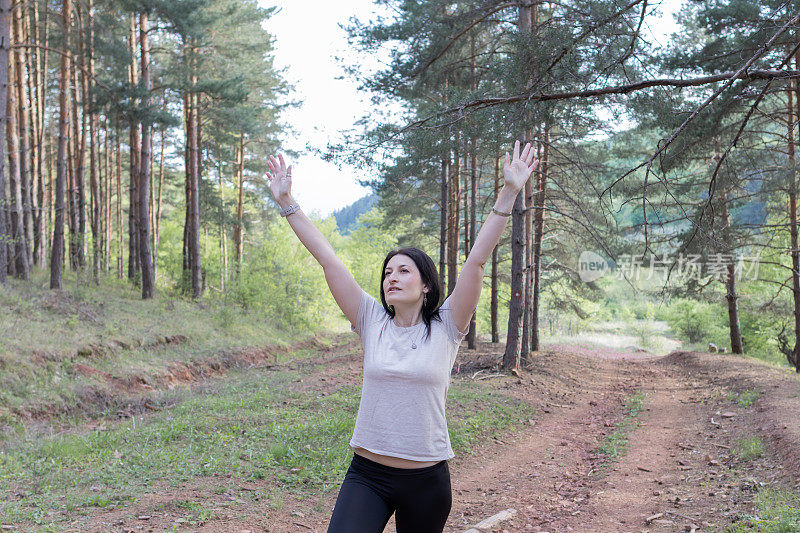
[679,473]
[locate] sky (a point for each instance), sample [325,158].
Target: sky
[306,43]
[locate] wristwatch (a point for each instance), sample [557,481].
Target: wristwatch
[289,210]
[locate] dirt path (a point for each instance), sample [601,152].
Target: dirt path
[678,470]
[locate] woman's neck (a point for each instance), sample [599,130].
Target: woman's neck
[406,317]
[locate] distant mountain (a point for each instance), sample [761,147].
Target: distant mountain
[346,217]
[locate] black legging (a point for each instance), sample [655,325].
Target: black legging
[371,492]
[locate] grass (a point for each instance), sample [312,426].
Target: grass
[745,398]
[194,513]
[476,412]
[776,511]
[252,425]
[43,335]
[749,448]
[615,444]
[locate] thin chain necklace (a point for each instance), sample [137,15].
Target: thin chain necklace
[413,342]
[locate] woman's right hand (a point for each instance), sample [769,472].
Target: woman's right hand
[280,178]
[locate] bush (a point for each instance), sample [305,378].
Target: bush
[759,332]
[695,321]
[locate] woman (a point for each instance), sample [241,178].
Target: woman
[400,442]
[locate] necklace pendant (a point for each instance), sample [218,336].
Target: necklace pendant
[413,346]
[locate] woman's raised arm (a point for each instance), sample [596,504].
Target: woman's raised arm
[467,292]
[343,286]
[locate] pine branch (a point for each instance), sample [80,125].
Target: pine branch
[483,103]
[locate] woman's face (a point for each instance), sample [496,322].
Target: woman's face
[402,283]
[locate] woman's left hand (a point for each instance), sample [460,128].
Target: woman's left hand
[518,169]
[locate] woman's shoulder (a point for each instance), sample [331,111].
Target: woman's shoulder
[370,311]
[448,322]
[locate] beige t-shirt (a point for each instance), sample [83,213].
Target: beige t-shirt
[401,413]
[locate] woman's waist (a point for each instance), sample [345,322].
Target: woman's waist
[393,462]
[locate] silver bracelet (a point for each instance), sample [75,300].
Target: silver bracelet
[289,210]
[501,213]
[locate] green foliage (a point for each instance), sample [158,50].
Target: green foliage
[749,448]
[281,279]
[695,321]
[759,333]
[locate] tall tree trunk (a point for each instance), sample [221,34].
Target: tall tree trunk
[186,276]
[730,282]
[51,186]
[197,280]
[148,280]
[516,305]
[465,199]
[80,156]
[794,359]
[493,312]
[32,117]
[76,185]
[93,163]
[471,332]
[133,171]
[540,199]
[455,218]
[152,202]
[72,194]
[57,255]
[107,181]
[191,231]
[473,191]
[118,172]
[5,42]
[223,256]
[157,232]
[41,96]
[793,355]
[528,318]
[22,125]
[238,233]
[21,265]
[443,209]
[527,303]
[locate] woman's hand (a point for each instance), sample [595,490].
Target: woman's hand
[280,178]
[518,169]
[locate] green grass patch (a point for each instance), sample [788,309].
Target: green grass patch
[776,511]
[476,411]
[615,444]
[256,425]
[45,335]
[745,398]
[749,448]
[194,513]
